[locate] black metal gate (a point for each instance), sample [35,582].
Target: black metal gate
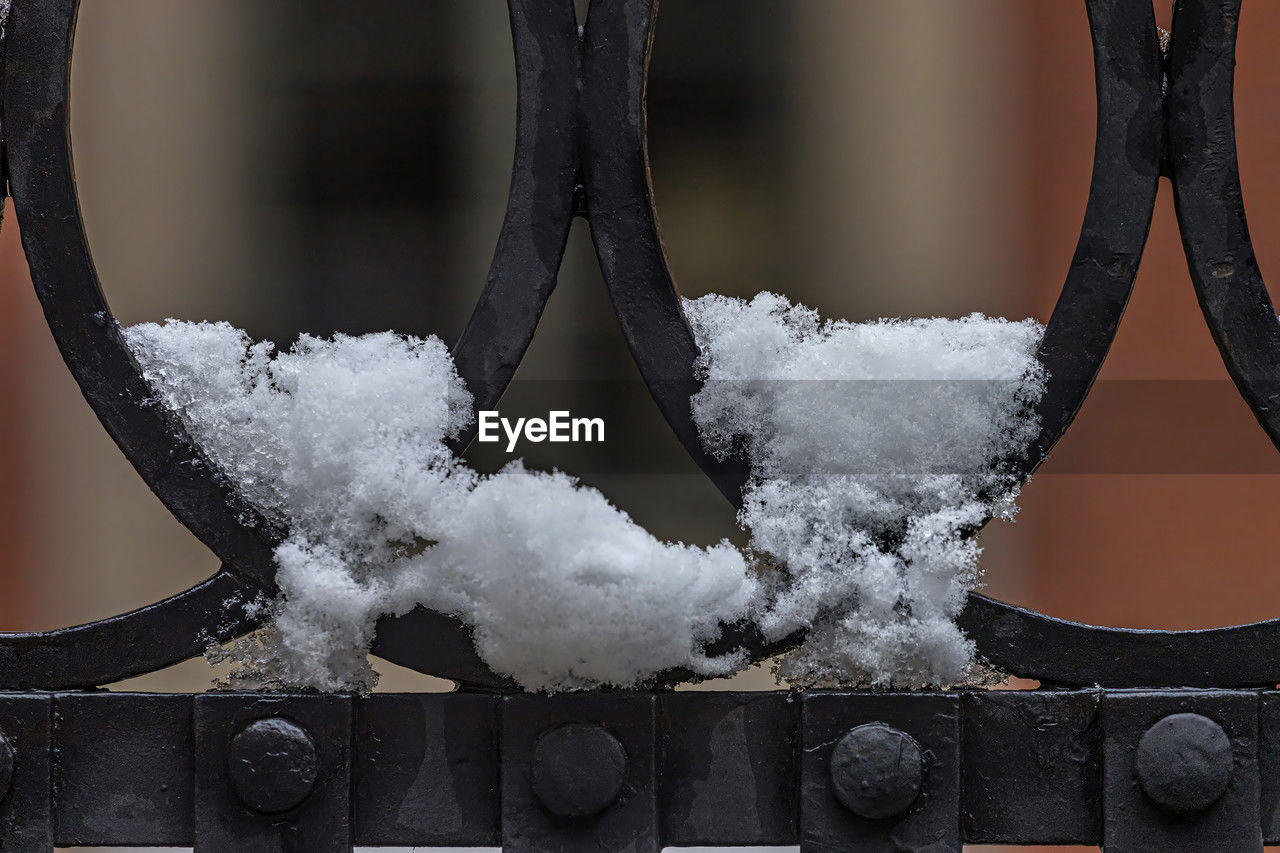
[1142,741]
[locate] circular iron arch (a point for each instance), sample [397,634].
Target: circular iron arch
[591,87]
[1134,119]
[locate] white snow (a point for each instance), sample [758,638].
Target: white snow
[343,441]
[874,449]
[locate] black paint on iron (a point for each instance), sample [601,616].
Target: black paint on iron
[877,772]
[1191,766]
[578,770]
[1184,763]
[272,765]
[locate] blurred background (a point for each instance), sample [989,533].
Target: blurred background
[310,165]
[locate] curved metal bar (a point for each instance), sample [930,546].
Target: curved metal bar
[42,180]
[1239,311]
[525,269]
[136,643]
[625,226]
[437,644]
[624,223]
[540,206]
[1122,199]
[1224,269]
[1085,321]
[1210,202]
[1062,653]
[36,84]
[36,97]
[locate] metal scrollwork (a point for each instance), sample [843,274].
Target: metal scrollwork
[582,149]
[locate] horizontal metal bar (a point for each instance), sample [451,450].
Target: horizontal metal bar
[727,769]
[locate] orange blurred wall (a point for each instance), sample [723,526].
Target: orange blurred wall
[12,543]
[1158,550]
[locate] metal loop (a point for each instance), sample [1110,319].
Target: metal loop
[36,82]
[582,121]
[1127,161]
[36,94]
[1203,163]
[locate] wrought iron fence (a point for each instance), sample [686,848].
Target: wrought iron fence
[1138,740]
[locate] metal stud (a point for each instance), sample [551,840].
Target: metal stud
[877,772]
[1184,763]
[578,770]
[273,765]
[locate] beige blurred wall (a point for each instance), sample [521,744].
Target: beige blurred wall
[156,101]
[910,158]
[907,156]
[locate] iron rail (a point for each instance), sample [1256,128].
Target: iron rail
[1139,740]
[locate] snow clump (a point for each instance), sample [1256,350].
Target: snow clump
[342,441]
[876,450]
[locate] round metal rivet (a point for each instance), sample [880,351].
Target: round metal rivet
[7,760]
[578,770]
[273,765]
[1184,763]
[877,772]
